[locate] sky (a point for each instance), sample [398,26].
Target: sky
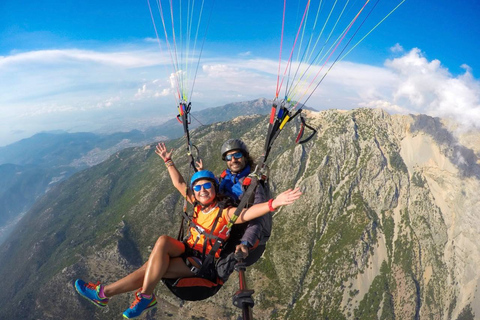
[99,66]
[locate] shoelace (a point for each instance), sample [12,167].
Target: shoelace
[92,285]
[138,297]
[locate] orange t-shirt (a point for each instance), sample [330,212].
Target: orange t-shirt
[206,221]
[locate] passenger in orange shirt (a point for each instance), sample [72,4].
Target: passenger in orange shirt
[171,258]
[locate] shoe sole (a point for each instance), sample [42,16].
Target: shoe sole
[86,298]
[149,308]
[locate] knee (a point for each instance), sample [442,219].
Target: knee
[169,245]
[162,241]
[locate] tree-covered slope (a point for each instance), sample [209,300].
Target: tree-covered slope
[387,226]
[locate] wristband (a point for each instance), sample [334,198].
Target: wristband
[167,159]
[169,163]
[270,206]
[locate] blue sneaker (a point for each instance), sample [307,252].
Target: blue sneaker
[90,292]
[139,305]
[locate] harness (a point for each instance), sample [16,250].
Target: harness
[206,282]
[215,241]
[238,188]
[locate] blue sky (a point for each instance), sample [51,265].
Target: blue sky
[95,65]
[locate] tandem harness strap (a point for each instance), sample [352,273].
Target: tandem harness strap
[215,241]
[205,283]
[184,118]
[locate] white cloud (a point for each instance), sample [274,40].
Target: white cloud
[66,85]
[245,54]
[397,48]
[108,103]
[149,39]
[129,59]
[386,105]
[215,70]
[153,89]
[120,85]
[163,93]
[46,109]
[428,87]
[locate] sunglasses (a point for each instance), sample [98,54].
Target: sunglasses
[205,186]
[236,155]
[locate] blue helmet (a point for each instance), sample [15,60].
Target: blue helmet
[203,174]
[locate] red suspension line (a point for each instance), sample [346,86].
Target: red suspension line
[281,46]
[293,48]
[333,51]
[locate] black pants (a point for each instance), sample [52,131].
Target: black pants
[226,264]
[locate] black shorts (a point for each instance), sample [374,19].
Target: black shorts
[195,260]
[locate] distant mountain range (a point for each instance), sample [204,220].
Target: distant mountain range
[388,226]
[30,167]
[84,149]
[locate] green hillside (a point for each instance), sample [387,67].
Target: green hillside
[367,240]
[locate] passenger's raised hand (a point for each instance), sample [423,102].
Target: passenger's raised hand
[162,152]
[286,198]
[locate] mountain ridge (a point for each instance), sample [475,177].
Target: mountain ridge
[386,229]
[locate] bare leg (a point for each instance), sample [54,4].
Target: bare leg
[129,283]
[160,263]
[135,280]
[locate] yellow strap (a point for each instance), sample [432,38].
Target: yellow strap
[284,122]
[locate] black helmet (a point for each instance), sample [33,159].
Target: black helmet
[233,144]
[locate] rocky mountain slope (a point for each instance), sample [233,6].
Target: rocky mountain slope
[388,227]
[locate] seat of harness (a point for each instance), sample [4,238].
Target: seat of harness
[194,264]
[205,281]
[202,285]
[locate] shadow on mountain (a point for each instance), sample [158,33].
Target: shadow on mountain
[462,157]
[128,248]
